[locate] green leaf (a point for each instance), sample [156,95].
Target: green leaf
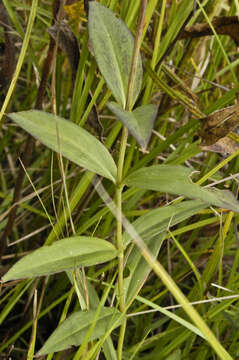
[63,255]
[151,227]
[176,355]
[156,221]
[94,303]
[113,46]
[73,330]
[139,122]
[174,179]
[139,268]
[177,23]
[75,143]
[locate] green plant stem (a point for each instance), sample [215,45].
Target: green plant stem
[119,217]
[119,237]
[167,280]
[128,107]
[121,338]
[20,59]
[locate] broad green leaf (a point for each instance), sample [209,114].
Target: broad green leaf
[113,46]
[63,255]
[156,221]
[73,330]
[175,179]
[139,122]
[75,143]
[151,227]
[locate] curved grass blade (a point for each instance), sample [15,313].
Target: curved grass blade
[152,228]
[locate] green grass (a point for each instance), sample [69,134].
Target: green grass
[200,254]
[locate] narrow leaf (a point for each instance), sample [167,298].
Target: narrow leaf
[94,303]
[139,122]
[156,221]
[176,24]
[75,143]
[175,179]
[73,330]
[138,267]
[171,315]
[113,49]
[151,227]
[63,255]
[176,355]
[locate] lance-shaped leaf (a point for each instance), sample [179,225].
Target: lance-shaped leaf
[175,179]
[139,122]
[152,227]
[138,267]
[75,143]
[94,303]
[156,221]
[113,46]
[73,330]
[63,255]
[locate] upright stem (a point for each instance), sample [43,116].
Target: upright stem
[119,216]
[124,137]
[119,237]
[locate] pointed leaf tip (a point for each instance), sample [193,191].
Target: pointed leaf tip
[175,179]
[74,142]
[113,46]
[139,122]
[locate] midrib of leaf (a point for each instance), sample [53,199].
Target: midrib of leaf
[100,164]
[84,327]
[72,143]
[114,53]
